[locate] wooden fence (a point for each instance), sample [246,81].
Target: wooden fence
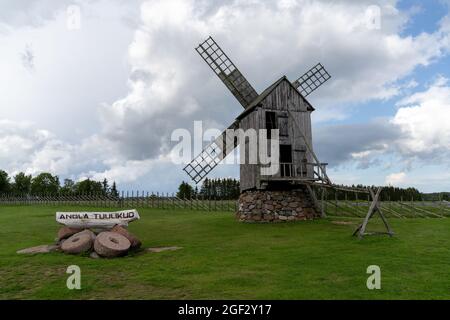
[124,200]
[393,209]
[343,208]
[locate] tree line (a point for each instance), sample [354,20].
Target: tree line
[48,184]
[228,189]
[220,189]
[436,196]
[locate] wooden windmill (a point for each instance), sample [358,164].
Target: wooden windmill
[285,195]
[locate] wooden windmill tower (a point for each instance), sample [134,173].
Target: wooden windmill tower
[287,194]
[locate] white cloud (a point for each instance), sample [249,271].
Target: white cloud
[424,121]
[170,84]
[395,179]
[73,70]
[101,127]
[18,141]
[25,147]
[418,133]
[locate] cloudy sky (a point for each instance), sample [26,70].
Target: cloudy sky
[94,88]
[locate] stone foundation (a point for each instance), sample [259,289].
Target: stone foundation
[275,205]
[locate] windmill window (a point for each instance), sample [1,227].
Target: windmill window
[270,122]
[283,126]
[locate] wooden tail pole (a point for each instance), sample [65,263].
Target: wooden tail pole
[374,208]
[309,148]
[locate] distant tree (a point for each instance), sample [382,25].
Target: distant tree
[45,183]
[195,191]
[105,186]
[205,188]
[185,191]
[68,187]
[5,185]
[113,191]
[89,186]
[223,189]
[22,183]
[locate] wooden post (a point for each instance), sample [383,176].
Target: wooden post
[157,199]
[335,202]
[374,208]
[312,193]
[322,194]
[152,201]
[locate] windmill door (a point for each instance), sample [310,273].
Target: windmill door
[286,160]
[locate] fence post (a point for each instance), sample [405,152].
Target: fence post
[323,202]
[173,201]
[153,200]
[157,200]
[335,202]
[137,198]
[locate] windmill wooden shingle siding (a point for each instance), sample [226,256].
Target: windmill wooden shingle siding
[274,103]
[286,194]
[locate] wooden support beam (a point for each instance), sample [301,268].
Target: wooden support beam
[322,200]
[315,201]
[374,208]
[322,169]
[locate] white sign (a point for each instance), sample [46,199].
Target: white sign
[97,219]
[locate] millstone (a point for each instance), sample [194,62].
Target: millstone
[135,242]
[66,232]
[78,243]
[90,233]
[111,244]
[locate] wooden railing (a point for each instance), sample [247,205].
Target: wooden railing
[290,170]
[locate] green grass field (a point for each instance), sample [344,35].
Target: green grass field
[224,259]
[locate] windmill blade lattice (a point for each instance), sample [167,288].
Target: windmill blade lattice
[312,79]
[227,71]
[211,156]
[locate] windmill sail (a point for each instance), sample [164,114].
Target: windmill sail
[210,157]
[227,71]
[311,80]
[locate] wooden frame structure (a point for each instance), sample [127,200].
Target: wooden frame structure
[373,209]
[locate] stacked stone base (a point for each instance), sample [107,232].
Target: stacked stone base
[276,206]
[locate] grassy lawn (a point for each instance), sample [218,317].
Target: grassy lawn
[224,259]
